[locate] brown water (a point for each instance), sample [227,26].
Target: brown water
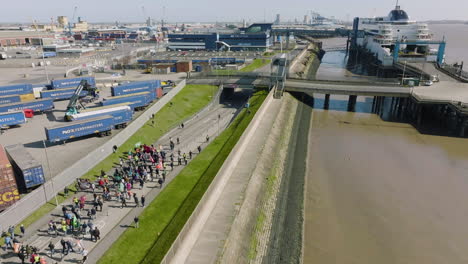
[380,192]
[456,36]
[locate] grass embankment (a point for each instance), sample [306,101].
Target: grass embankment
[256,64]
[164,218]
[189,101]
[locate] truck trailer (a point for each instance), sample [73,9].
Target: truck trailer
[121,114]
[137,101]
[16,89]
[8,99]
[101,126]
[36,105]
[135,87]
[74,82]
[9,119]
[28,171]
[61,94]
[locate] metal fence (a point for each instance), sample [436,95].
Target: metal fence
[31,202]
[216,184]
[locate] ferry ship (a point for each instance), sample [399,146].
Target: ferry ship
[379,35]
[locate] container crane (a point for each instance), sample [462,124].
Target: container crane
[70,27]
[72,108]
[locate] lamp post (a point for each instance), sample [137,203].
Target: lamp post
[50,174]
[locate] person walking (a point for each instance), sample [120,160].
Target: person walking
[123,201]
[199,149]
[160,181]
[21,256]
[8,242]
[22,230]
[207,138]
[178,141]
[190,154]
[51,248]
[97,233]
[135,198]
[64,247]
[142,199]
[136,220]
[85,256]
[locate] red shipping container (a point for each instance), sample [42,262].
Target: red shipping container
[8,196]
[159,92]
[8,190]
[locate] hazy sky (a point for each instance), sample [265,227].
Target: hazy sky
[210,10]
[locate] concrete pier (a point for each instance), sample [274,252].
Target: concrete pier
[352,103]
[326,104]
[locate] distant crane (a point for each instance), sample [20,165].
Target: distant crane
[70,27]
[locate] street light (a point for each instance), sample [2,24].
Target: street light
[50,174]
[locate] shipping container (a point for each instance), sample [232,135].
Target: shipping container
[61,94]
[135,87]
[100,126]
[184,66]
[27,97]
[36,106]
[92,109]
[7,176]
[121,114]
[49,54]
[12,119]
[16,89]
[67,83]
[159,92]
[8,196]
[137,101]
[28,171]
[10,99]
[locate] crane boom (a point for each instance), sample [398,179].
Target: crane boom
[72,104]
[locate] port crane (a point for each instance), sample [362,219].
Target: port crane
[70,26]
[74,103]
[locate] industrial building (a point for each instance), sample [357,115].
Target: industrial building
[19,38]
[254,37]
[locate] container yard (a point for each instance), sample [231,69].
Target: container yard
[28,171]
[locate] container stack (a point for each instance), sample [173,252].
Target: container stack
[9,193]
[28,171]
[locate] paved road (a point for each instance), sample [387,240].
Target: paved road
[113,220]
[210,229]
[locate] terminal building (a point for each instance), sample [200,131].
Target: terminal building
[255,37]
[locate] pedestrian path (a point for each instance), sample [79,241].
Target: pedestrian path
[114,220]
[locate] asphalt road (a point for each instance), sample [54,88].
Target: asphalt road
[113,220]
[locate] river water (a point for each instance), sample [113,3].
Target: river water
[381,192]
[456,36]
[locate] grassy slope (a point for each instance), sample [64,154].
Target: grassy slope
[163,219]
[256,64]
[190,100]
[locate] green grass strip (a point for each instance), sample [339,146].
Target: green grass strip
[190,100]
[164,218]
[256,64]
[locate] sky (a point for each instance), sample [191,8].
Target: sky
[223,11]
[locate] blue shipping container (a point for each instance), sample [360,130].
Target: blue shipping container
[136,100]
[135,87]
[121,114]
[36,106]
[12,118]
[61,94]
[10,99]
[79,128]
[16,89]
[28,171]
[49,54]
[67,83]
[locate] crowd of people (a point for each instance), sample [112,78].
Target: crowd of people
[140,165]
